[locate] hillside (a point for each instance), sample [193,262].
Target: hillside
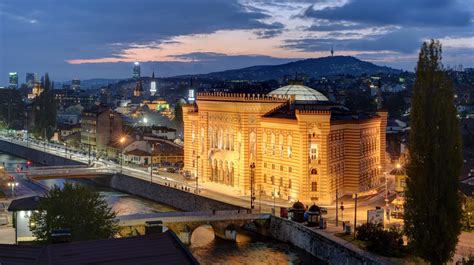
[316,68]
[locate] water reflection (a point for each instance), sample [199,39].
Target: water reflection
[261,252]
[121,203]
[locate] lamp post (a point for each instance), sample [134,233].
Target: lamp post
[252,188]
[65,149]
[197,174]
[151,163]
[122,141]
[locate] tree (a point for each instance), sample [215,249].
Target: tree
[77,208]
[178,113]
[433,209]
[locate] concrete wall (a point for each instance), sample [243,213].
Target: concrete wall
[35,155]
[319,244]
[171,196]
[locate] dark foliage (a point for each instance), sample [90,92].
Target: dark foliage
[433,209]
[380,241]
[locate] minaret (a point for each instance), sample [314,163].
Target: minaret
[153,84]
[332,50]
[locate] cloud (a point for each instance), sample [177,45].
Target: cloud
[424,13]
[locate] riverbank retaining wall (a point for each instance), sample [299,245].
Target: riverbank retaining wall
[175,197]
[36,155]
[320,244]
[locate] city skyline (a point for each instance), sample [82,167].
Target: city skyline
[102,40]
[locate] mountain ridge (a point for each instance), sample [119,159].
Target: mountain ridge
[312,67]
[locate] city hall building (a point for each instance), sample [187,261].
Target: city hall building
[303,147]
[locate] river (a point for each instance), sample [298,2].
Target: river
[250,250]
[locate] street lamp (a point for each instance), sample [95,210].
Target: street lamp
[252,188]
[151,163]
[122,141]
[197,174]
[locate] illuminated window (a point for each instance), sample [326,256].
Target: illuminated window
[264,143]
[272,143]
[314,153]
[290,145]
[280,145]
[314,186]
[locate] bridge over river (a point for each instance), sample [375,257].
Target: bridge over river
[224,224]
[72,171]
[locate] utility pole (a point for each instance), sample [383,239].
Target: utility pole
[337,205]
[252,188]
[44,142]
[151,164]
[197,174]
[355,214]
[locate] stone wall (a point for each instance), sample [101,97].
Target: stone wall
[174,197]
[35,155]
[322,245]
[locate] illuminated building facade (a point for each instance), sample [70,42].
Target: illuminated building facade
[304,147]
[13,79]
[136,71]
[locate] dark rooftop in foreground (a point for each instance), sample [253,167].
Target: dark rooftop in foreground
[162,248]
[25,204]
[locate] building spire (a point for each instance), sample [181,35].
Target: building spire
[153,74]
[332,50]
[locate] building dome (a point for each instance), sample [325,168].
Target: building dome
[301,93]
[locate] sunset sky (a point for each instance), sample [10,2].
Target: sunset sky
[102,38]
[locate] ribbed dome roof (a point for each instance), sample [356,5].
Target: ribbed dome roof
[300,92]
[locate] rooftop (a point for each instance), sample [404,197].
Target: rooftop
[301,93]
[162,248]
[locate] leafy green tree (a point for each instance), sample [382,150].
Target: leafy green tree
[44,110]
[178,113]
[433,209]
[77,208]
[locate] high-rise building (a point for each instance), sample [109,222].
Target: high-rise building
[76,84]
[31,79]
[13,79]
[136,71]
[293,143]
[153,84]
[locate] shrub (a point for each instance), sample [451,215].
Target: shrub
[380,241]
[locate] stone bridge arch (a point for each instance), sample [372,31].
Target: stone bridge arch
[227,230]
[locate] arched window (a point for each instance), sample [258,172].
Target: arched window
[202,140]
[272,143]
[253,146]
[280,145]
[264,143]
[314,171]
[290,146]
[232,140]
